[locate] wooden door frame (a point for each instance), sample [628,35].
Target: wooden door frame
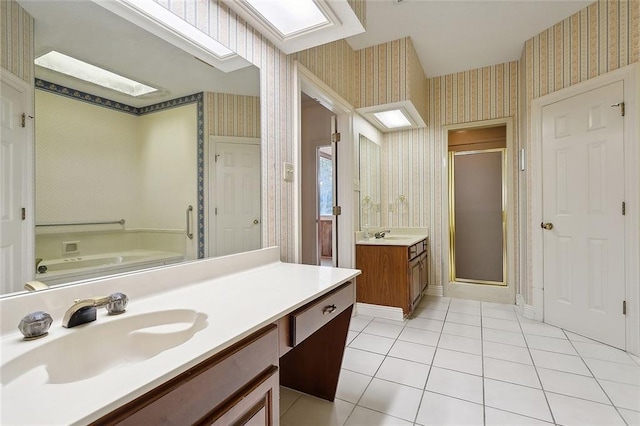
[28,177]
[503,294]
[210,187]
[629,75]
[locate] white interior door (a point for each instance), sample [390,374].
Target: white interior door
[583,192]
[237,201]
[13,158]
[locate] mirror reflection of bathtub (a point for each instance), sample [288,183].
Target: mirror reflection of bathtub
[62,270]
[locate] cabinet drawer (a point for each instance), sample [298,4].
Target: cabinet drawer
[311,317]
[194,393]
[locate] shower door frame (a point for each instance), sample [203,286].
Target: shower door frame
[492,293]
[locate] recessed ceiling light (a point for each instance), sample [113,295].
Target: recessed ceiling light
[290,16]
[393,119]
[64,64]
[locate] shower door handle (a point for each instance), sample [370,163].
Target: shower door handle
[189,222]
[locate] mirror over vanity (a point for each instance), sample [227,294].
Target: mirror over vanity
[369,183]
[126,182]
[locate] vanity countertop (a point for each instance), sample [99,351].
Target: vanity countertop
[237,302]
[397,237]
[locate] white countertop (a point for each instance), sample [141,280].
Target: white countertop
[236,303]
[393,240]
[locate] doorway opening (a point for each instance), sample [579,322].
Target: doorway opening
[479,205]
[477,192]
[325,186]
[318,178]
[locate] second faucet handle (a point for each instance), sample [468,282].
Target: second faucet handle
[118,303]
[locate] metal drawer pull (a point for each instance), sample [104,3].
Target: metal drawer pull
[329,309]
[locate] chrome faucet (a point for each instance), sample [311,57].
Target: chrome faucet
[381,234]
[40,269]
[85,310]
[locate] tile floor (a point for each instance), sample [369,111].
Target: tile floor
[462,362]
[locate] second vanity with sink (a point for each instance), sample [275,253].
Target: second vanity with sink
[394,271]
[203,342]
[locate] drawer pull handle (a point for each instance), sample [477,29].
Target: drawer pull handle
[329,309]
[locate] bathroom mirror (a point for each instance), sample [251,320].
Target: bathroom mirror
[120,181]
[369,183]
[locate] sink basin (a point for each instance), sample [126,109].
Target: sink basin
[92,349]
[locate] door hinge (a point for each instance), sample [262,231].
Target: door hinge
[624,307]
[337,210]
[624,208]
[621,105]
[216,211]
[23,120]
[335,137]
[24,213]
[216,157]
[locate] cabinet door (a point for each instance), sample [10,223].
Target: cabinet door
[414,281]
[424,271]
[258,405]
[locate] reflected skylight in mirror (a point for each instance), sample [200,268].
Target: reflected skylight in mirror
[289,16]
[393,119]
[64,64]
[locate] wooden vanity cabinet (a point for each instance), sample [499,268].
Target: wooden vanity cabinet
[392,275]
[239,385]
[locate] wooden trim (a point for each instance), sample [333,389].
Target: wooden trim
[122,413]
[313,366]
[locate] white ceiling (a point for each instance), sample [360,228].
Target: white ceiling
[89,32]
[457,35]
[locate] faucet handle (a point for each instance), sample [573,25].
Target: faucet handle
[118,303]
[35,325]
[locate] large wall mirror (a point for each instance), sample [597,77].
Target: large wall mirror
[125,182]
[369,183]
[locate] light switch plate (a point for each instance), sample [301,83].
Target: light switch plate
[287,172]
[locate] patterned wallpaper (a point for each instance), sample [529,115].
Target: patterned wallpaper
[390,72]
[233,115]
[412,160]
[360,9]
[333,63]
[599,38]
[216,19]
[16,40]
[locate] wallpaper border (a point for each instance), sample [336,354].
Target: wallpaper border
[197,98]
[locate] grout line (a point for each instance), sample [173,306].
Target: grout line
[596,379]
[535,368]
[424,390]
[484,401]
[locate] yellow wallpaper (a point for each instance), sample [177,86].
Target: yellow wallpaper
[412,160]
[233,115]
[390,72]
[16,40]
[359,7]
[333,63]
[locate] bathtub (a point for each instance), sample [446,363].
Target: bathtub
[79,268]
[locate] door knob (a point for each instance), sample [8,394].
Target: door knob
[548,226]
[255,221]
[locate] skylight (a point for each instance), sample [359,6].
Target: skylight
[64,64]
[393,119]
[290,16]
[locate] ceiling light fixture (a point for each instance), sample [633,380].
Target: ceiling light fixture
[64,64]
[401,115]
[393,119]
[290,16]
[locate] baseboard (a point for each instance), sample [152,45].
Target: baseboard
[380,311]
[527,311]
[435,290]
